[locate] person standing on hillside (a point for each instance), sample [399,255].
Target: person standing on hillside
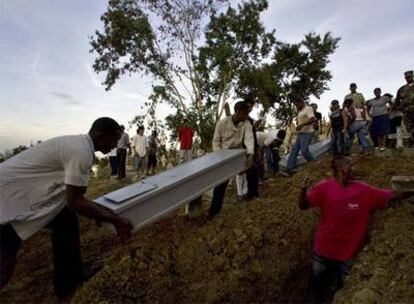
[358,98]
[152,153]
[345,206]
[405,102]
[304,134]
[337,128]
[44,186]
[113,162]
[232,132]
[380,121]
[317,125]
[121,153]
[185,135]
[140,148]
[253,173]
[354,123]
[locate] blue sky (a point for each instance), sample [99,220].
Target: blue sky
[48,88]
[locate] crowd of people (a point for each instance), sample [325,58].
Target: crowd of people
[144,151]
[373,119]
[44,186]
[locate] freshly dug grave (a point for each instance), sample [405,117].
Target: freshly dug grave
[253,252]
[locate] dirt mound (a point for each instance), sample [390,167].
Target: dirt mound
[252,252]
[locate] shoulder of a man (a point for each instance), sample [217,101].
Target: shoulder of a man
[376,197]
[78,156]
[309,111]
[223,122]
[315,195]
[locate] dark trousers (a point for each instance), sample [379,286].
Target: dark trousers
[337,142]
[66,252]
[252,176]
[218,197]
[323,270]
[113,162]
[394,123]
[121,158]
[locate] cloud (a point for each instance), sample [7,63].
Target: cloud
[67,98]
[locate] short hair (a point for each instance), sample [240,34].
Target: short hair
[338,161]
[352,85]
[376,89]
[335,101]
[389,95]
[281,134]
[241,106]
[348,101]
[410,72]
[295,98]
[105,125]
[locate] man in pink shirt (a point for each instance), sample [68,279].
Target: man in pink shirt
[345,209]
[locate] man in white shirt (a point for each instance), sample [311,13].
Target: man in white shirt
[121,153]
[269,143]
[140,147]
[44,186]
[304,133]
[232,132]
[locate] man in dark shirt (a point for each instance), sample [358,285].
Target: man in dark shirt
[337,126]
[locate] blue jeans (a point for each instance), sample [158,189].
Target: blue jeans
[322,269]
[272,159]
[302,143]
[360,129]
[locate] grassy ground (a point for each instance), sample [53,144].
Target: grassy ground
[252,252]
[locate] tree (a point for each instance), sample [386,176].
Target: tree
[193,74]
[199,53]
[296,70]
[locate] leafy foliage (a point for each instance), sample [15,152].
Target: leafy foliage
[297,69]
[202,53]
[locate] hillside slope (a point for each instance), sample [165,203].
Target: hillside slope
[254,252]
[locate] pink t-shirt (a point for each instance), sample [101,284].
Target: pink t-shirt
[345,215]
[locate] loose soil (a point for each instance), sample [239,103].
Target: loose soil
[252,252]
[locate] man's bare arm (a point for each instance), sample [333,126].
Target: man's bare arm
[78,203]
[402,195]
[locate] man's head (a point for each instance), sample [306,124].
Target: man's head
[335,105]
[241,111]
[353,87]
[314,106]
[342,167]
[250,103]
[105,133]
[348,102]
[280,138]
[140,130]
[298,101]
[377,92]
[299,104]
[409,76]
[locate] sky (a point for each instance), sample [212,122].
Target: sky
[48,87]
